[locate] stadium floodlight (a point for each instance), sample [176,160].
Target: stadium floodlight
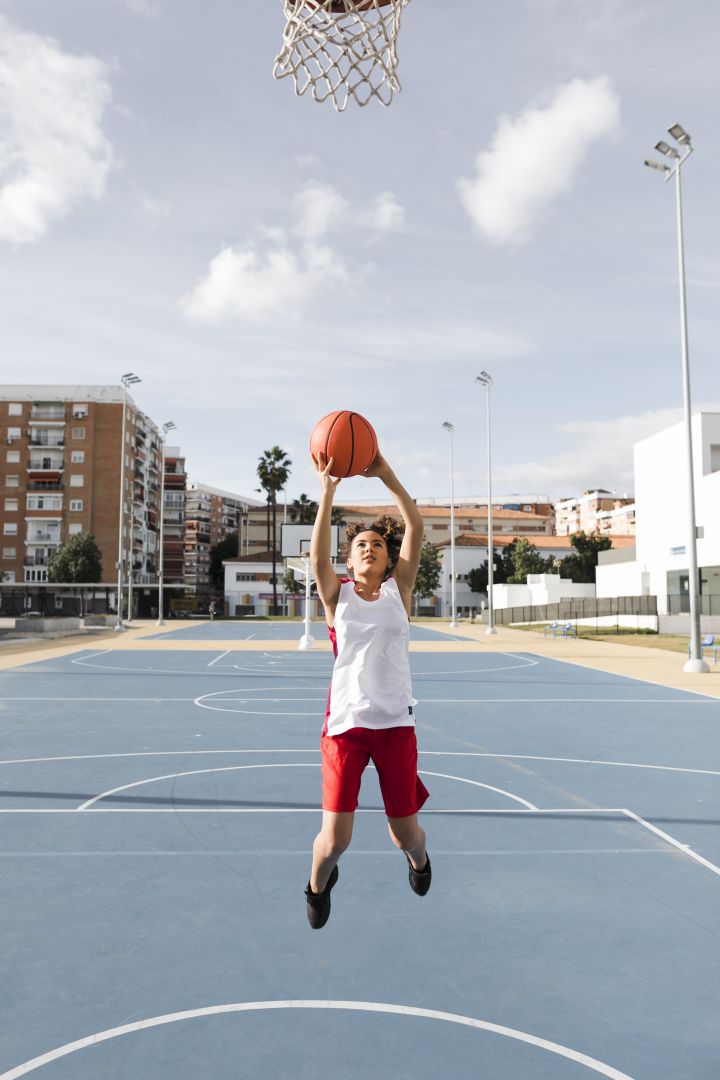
[169,426]
[659,165]
[695,663]
[486,380]
[679,134]
[450,428]
[128,379]
[666,149]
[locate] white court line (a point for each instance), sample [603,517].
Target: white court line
[422,753]
[218,658]
[355,1006]
[303,852]
[685,848]
[284,765]
[56,698]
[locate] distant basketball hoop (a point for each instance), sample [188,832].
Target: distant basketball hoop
[341,49]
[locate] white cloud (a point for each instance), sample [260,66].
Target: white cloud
[250,286]
[53,152]
[387,214]
[319,207]
[599,453]
[536,157]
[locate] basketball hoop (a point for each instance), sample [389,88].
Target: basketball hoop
[341,49]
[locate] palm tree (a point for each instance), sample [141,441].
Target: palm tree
[303,510]
[273,471]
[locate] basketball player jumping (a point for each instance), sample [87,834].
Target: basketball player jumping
[369,716]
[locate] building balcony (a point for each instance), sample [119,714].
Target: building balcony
[45,485]
[46,471]
[42,538]
[51,444]
[40,412]
[38,560]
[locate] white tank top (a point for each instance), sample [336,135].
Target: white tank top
[370,685]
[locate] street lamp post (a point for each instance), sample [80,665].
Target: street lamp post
[128,379]
[169,426]
[486,381]
[695,662]
[453,605]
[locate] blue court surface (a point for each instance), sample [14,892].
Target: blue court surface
[158,809]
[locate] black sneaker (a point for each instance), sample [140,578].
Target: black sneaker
[419,879]
[318,904]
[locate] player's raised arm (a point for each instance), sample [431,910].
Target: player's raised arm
[406,568]
[328,583]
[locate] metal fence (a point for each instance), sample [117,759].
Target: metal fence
[680,605]
[579,608]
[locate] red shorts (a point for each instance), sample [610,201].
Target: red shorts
[392,751]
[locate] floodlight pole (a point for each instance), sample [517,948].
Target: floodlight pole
[453,605]
[169,426]
[695,663]
[127,380]
[486,381]
[307,640]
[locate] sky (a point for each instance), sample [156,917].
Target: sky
[167,207]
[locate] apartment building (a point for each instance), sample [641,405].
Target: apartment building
[468,519]
[211,515]
[596,511]
[174,499]
[61,450]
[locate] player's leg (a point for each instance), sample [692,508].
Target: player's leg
[408,834]
[329,844]
[395,756]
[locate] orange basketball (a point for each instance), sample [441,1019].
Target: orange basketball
[348,439]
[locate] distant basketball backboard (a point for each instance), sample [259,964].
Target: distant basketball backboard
[296,540]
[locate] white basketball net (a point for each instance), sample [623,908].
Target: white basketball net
[341,49]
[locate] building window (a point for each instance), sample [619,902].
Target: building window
[76,505]
[14,408]
[75,528]
[44,502]
[11,504]
[14,433]
[715,458]
[10,528]
[78,433]
[79,410]
[77,480]
[8,553]
[13,457]
[12,481]
[77,457]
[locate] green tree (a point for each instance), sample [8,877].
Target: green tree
[336,517]
[526,559]
[225,549]
[428,575]
[273,471]
[291,583]
[580,565]
[79,559]
[303,510]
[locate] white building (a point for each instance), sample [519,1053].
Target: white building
[659,564]
[594,511]
[471,551]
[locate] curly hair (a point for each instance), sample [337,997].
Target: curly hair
[391,529]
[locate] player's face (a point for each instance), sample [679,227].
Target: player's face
[369,554]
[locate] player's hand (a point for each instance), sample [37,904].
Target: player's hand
[379,467]
[327,482]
